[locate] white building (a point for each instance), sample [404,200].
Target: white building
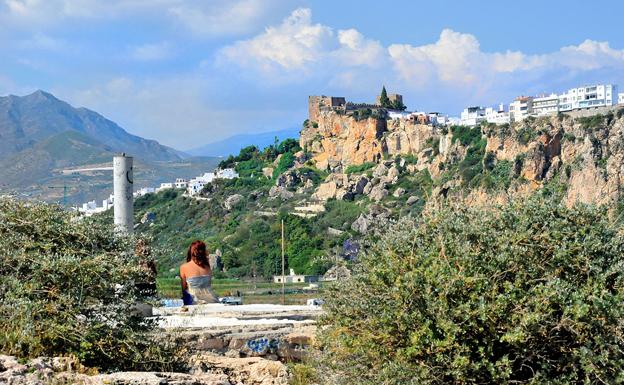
[599,95]
[472,116]
[144,191]
[227,173]
[181,183]
[195,186]
[295,278]
[546,105]
[621,98]
[520,108]
[497,115]
[164,186]
[398,114]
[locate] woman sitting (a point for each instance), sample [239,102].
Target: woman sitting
[196,276]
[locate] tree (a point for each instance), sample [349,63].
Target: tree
[398,105]
[525,293]
[384,101]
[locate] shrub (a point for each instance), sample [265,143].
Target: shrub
[525,135]
[589,123]
[357,168]
[465,134]
[286,161]
[69,287]
[529,293]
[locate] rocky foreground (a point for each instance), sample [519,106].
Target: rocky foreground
[205,369]
[247,344]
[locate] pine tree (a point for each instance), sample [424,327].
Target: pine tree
[384,101]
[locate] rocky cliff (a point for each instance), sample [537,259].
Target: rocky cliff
[581,155]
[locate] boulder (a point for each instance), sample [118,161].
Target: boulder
[232,201]
[268,172]
[380,170]
[326,191]
[361,224]
[378,193]
[280,192]
[411,200]
[399,192]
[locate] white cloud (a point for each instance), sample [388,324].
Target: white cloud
[297,49]
[204,18]
[152,52]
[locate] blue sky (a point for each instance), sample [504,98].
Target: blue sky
[192,72]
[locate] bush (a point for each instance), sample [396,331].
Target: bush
[465,134]
[69,287]
[528,293]
[358,168]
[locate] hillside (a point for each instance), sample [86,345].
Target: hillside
[349,175]
[41,135]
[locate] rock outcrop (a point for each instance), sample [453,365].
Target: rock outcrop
[585,154]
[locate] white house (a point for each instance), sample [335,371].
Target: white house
[398,114]
[164,186]
[227,173]
[144,191]
[520,108]
[472,116]
[295,278]
[195,186]
[497,115]
[546,105]
[598,95]
[621,98]
[181,183]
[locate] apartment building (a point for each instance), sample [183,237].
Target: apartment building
[472,116]
[520,108]
[545,105]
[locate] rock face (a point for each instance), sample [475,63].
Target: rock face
[585,154]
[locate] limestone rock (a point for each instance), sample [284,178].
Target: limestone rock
[232,201]
[399,192]
[268,172]
[378,193]
[411,200]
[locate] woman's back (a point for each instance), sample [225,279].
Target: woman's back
[196,276]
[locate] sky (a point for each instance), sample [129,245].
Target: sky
[187,73]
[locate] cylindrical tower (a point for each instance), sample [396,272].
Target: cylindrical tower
[122,191]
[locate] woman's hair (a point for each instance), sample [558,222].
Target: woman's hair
[198,254]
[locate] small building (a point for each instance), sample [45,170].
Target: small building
[472,116]
[546,105]
[165,186]
[295,278]
[227,173]
[621,98]
[181,183]
[195,186]
[521,108]
[497,115]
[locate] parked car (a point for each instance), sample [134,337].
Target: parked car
[315,302]
[231,300]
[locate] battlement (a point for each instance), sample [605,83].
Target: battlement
[317,102]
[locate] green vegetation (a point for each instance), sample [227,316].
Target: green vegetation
[384,101]
[359,168]
[590,123]
[466,135]
[71,287]
[526,134]
[529,292]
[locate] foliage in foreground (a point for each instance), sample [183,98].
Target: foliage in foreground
[70,287]
[527,293]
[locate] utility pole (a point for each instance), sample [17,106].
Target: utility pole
[283,277]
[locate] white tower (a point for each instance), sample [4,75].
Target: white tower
[122,190]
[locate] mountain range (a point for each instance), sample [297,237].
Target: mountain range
[41,135]
[233,144]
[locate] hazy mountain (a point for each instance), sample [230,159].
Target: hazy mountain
[41,135]
[233,144]
[28,120]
